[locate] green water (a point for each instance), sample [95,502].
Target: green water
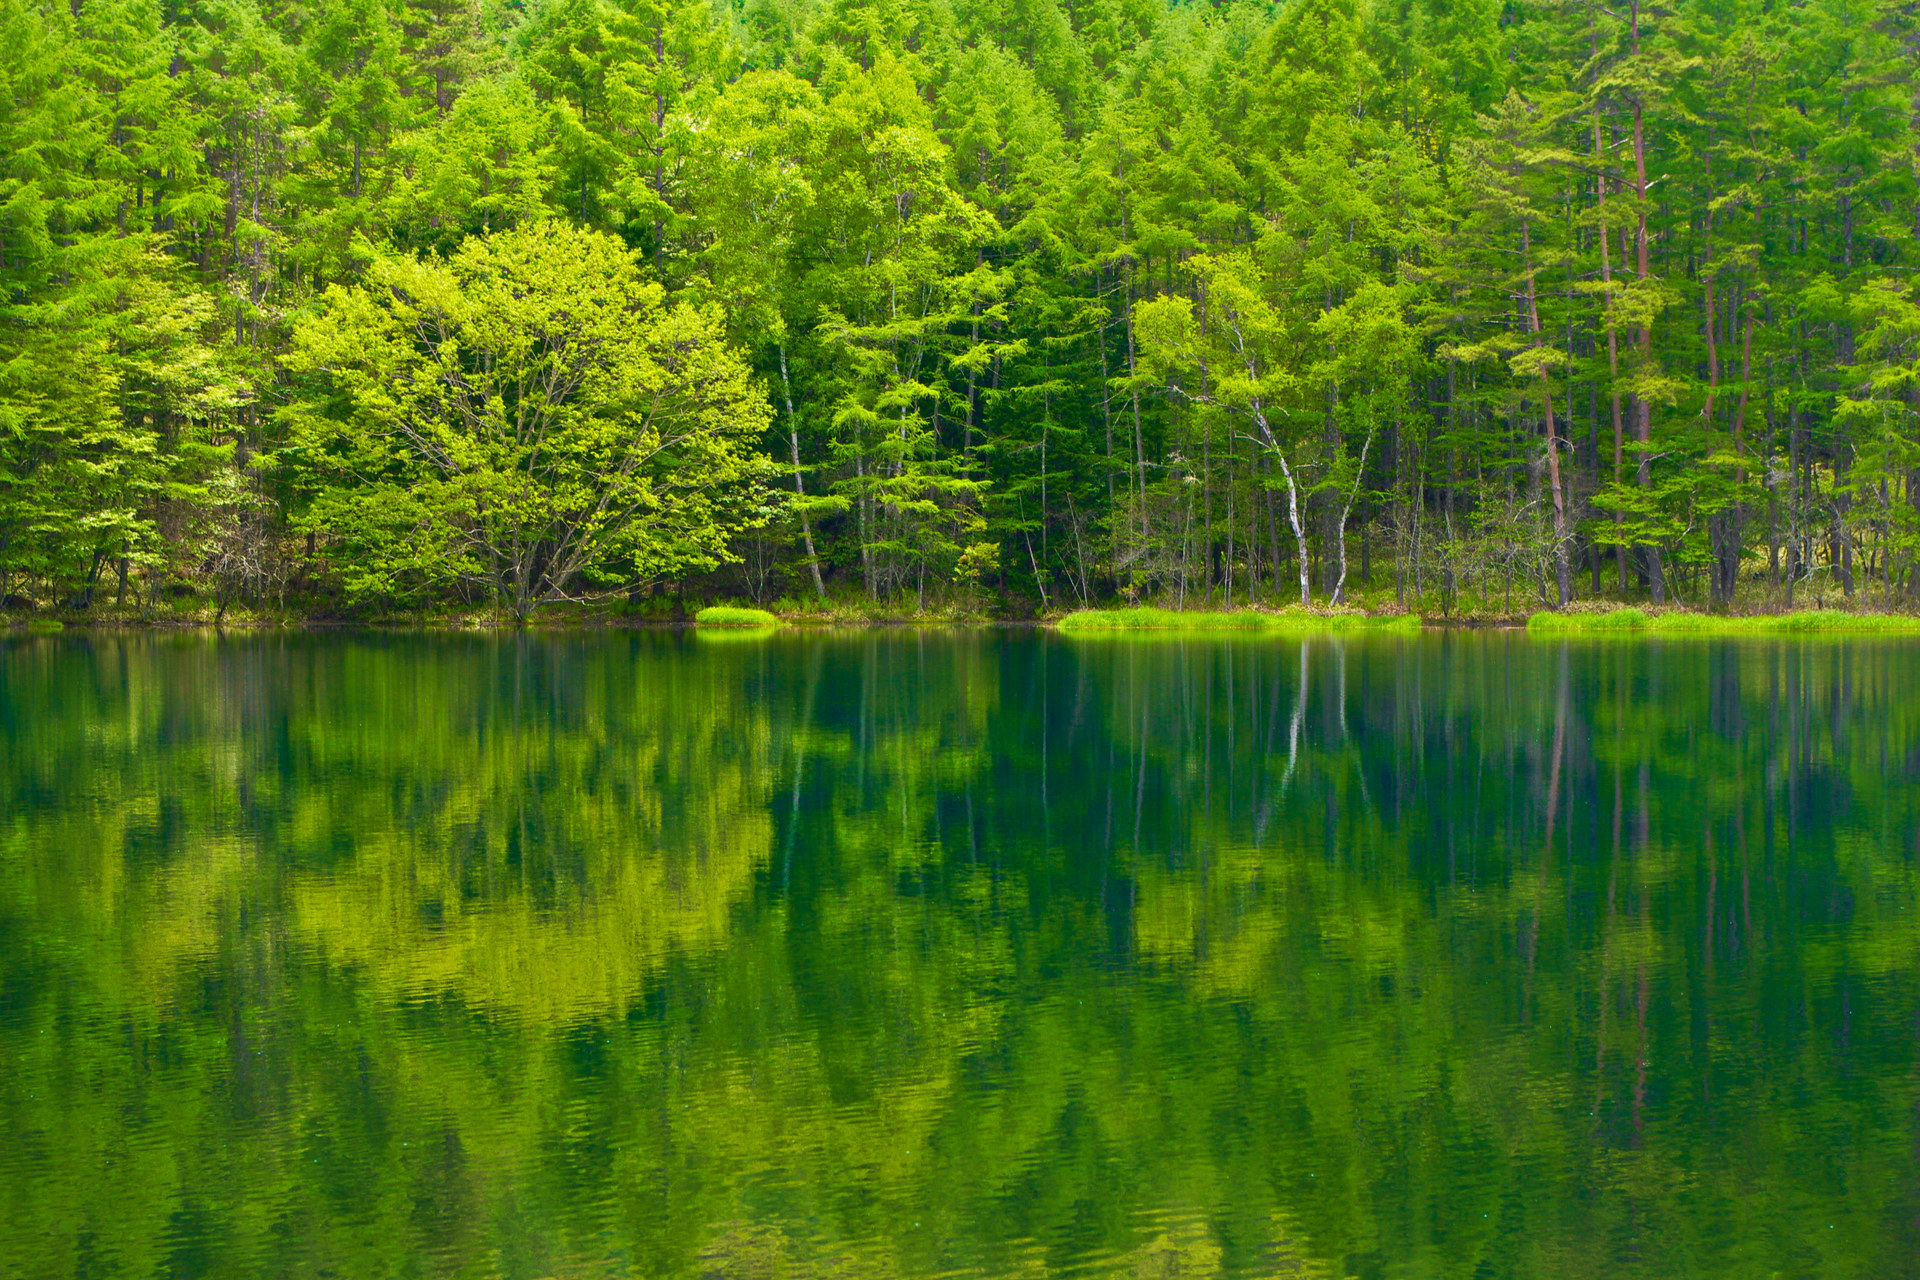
[971,953]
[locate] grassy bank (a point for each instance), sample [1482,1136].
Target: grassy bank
[726,615]
[1580,619]
[659,612]
[1243,621]
[1631,621]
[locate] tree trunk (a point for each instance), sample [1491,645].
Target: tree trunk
[1643,427]
[799,486]
[1563,587]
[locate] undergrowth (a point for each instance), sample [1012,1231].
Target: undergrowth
[1677,622]
[1294,621]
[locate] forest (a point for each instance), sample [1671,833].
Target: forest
[1006,306]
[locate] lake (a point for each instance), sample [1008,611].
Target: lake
[958,953]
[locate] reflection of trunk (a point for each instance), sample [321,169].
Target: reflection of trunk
[1641,1050]
[1606,965]
[1299,718]
[1140,786]
[800,766]
[799,488]
[1553,812]
[1642,1044]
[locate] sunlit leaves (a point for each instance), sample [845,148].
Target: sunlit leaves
[532,417]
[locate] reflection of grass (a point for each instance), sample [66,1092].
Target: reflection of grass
[725,615]
[735,634]
[1295,621]
[1808,620]
[46,625]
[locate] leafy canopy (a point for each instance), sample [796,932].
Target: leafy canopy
[530,418]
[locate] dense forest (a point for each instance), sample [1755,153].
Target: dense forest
[1008,304]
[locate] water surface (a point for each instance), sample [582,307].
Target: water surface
[974,953]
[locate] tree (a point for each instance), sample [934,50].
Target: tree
[757,189]
[1593,280]
[531,418]
[1234,355]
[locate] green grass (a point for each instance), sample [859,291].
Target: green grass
[726,615]
[1611,620]
[1290,621]
[1803,622]
[46,625]
[856,609]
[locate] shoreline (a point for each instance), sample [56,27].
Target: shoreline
[1147,621]
[1630,620]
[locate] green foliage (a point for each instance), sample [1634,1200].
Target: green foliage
[1049,305]
[532,417]
[1628,619]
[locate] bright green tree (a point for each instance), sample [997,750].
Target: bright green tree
[531,418]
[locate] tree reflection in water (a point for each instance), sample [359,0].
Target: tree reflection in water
[914,953]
